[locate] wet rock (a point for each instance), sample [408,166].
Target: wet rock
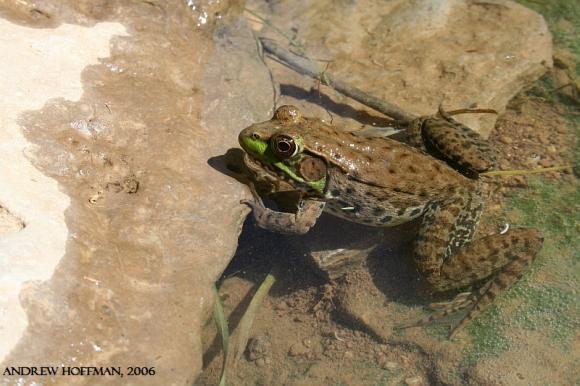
[416,54]
[137,117]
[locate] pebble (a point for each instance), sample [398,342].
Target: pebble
[348,355]
[297,349]
[307,343]
[505,139]
[260,362]
[545,163]
[414,381]
[282,306]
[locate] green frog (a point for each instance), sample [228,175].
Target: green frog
[383,182]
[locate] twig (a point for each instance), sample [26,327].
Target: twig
[307,67]
[525,171]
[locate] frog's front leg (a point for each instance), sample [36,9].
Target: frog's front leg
[449,140]
[300,222]
[448,259]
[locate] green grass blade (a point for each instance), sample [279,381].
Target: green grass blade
[248,319]
[222,326]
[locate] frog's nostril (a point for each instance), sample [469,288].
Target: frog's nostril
[255,136]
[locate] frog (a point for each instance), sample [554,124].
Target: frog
[383,182]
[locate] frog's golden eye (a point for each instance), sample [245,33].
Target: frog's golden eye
[312,169]
[283,146]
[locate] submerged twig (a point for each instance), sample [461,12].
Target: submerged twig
[306,67]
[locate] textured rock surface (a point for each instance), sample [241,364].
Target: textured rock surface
[128,216]
[416,54]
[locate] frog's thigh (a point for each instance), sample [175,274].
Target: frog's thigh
[446,226]
[292,223]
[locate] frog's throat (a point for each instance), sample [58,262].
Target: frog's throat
[271,164]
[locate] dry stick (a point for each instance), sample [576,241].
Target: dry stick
[307,67]
[525,171]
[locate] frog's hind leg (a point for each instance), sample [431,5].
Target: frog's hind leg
[448,259]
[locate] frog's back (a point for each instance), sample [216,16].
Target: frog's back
[381,162]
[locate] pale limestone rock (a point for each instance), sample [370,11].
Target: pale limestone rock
[36,66]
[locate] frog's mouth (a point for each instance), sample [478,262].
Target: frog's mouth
[282,176]
[265,172]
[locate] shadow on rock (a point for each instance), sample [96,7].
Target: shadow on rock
[346,111]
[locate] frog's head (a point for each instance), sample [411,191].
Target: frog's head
[277,147]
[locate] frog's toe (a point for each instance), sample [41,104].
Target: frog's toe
[460,301]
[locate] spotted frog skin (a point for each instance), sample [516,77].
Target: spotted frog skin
[382,182]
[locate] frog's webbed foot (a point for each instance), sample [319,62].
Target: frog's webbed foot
[443,309]
[282,222]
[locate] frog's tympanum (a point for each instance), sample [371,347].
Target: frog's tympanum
[382,182]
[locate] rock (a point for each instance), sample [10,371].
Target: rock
[89,107]
[281,306]
[416,54]
[258,347]
[348,355]
[414,381]
[298,349]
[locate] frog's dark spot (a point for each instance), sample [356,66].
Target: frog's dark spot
[401,212]
[386,219]
[370,193]
[378,211]
[423,193]
[515,241]
[335,192]
[415,212]
[398,190]
[392,171]
[349,190]
[466,145]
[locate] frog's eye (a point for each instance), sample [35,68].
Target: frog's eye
[283,146]
[312,169]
